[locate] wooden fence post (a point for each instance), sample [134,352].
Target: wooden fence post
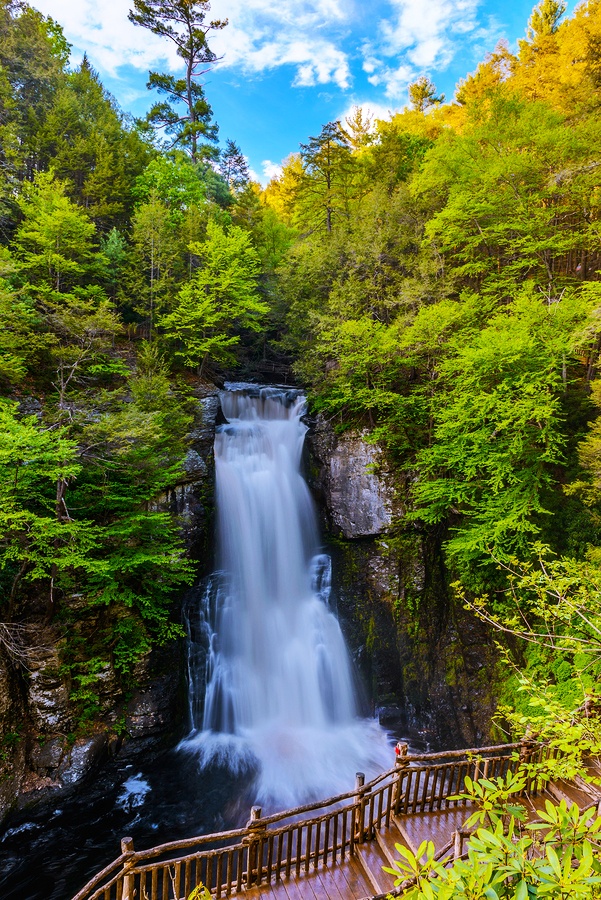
[400,761]
[460,836]
[527,748]
[255,833]
[127,846]
[360,809]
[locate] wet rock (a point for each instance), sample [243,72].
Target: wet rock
[192,499]
[194,465]
[83,757]
[152,711]
[417,650]
[354,481]
[47,693]
[47,757]
[203,429]
[37,762]
[13,750]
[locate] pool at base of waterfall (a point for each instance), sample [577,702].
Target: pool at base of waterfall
[49,853]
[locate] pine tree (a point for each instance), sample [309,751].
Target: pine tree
[324,188]
[86,140]
[422,94]
[233,166]
[183,23]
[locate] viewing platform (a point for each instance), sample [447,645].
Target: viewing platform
[334,849]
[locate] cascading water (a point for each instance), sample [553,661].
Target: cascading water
[279,685]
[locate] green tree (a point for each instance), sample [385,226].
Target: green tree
[498,433]
[153,260]
[179,184]
[221,298]
[92,148]
[422,94]
[33,56]
[23,337]
[503,205]
[183,23]
[54,245]
[233,166]
[324,188]
[39,537]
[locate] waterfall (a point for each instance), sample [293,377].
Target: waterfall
[280,696]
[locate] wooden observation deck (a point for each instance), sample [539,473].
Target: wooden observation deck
[334,849]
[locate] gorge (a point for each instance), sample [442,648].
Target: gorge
[430,281]
[280,724]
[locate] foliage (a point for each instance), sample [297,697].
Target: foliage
[92,148]
[200,892]
[422,94]
[220,297]
[501,863]
[233,166]
[555,856]
[323,189]
[433,278]
[498,431]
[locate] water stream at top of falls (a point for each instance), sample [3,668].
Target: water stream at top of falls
[272,690]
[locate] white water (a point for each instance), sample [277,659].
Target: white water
[279,697]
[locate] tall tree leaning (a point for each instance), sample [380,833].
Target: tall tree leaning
[183,23]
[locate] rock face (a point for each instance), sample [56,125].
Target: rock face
[427,662]
[354,482]
[192,498]
[44,751]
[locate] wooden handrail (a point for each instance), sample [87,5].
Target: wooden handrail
[247,854]
[455,754]
[116,864]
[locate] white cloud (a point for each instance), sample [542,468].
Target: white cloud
[103,30]
[401,38]
[422,28]
[264,34]
[393,80]
[424,33]
[270,170]
[261,35]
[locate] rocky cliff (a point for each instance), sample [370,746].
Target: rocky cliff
[428,663]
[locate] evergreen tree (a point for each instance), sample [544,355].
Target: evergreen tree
[183,23]
[422,94]
[233,166]
[33,56]
[325,187]
[92,149]
[545,19]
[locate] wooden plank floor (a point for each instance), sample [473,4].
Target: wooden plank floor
[361,877]
[345,881]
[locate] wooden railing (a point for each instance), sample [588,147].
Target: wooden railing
[297,841]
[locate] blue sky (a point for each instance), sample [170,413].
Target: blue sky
[289,66]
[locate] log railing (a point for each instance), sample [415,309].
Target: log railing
[295,842]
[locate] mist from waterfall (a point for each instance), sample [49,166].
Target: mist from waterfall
[280,698]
